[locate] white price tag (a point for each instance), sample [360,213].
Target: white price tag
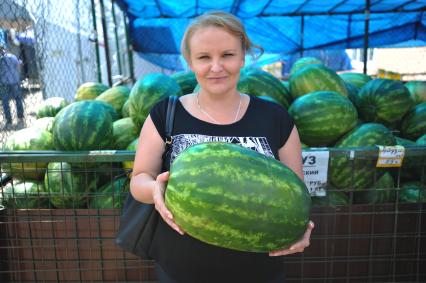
[315,168]
[390,156]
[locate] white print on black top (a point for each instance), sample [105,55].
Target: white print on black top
[183,141]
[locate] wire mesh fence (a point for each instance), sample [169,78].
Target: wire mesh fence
[60,45]
[61,213]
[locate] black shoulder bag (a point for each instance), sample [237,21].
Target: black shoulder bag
[138,220]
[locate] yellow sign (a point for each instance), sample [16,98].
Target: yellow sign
[390,156]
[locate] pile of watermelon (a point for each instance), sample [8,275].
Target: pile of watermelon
[332,110]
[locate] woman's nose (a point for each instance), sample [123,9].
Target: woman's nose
[216,66]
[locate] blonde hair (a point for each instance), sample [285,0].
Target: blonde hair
[223,20]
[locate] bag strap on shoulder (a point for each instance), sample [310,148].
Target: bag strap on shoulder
[171,106]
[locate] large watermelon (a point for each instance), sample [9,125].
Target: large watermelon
[417,91]
[147,92]
[45,124]
[116,96]
[111,195]
[421,140]
[259,83]
[68,187]
[186,80]
[412,192]
[27,139]
[124,132]
[356,79]
[412,163]
[414,123]
[358,173]
[383,101]
[24,195]
[382,191]
[352,93]
[311,78]
[322,117]
[83,125]
[89,90]
[301,62]
[132,147]
[51,106]
[236,198]
[332,198]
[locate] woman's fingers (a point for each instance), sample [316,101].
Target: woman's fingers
[300,245]
[160,206]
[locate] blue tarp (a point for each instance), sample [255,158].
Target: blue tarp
[281,27]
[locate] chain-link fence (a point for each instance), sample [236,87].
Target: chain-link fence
[61,45]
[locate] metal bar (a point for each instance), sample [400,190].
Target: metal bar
[96,41]
[302,35]
[106,43]
[117,45]
[129,50]
[366,31]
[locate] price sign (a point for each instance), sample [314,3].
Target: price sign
[390,156]
[315,167]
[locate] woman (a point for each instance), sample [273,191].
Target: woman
[214,46]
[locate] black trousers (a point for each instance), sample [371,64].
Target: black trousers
[163,277]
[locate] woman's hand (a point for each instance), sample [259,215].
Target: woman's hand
[160,206]
[299,246]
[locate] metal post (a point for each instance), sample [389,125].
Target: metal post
[117,45]
[129,50]
[105,32]
[96,41]
[302,35]
[366,31]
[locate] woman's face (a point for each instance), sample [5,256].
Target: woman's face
[216,58]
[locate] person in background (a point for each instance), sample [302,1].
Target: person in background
[214,46]
[10,84]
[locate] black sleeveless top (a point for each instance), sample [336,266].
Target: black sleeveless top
[265,127]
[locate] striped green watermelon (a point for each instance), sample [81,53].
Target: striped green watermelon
[109,108]
[417,91]
[89,90]
[383,101]
[147,92]
[116,97]
[124,132]
[322,117]
[356,79]
[83,125]
[125,110]
[382,191]
[358,173]
[421,140]
[353,94]
[301,62]
[110,195]
[259,83]
[412,163]
[51,106]
[68,187]
[186,80]
[132,147]
[45,124]
[27,139]
[24,195]
[332,198]
[412,192]
[233,197]
[414,123]
[311,78]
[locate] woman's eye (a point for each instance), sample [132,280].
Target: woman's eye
[203,57]
[228,54]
